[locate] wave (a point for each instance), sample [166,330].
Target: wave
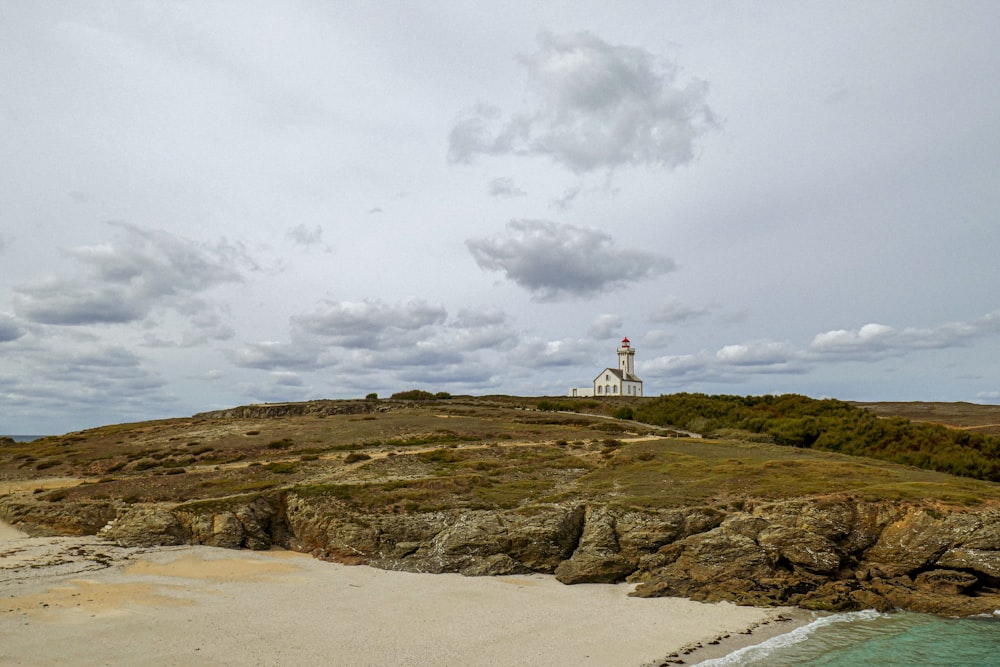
[758,653]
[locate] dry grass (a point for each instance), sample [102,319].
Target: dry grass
[476,453]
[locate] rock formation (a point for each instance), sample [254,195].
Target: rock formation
[832,555]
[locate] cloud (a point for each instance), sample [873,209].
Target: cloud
[870,342]
[605,326]
[597,106]
[535,353]
[567,199]
[553,261]
[372,337]
[729,364]
[124,280]
[9,328]
[878,340]
[280,386]
[370,324]
[674,311]
[304,235]
[271,355]
[504,188]
[95,375]
[761,356]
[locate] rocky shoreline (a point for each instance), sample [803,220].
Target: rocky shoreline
[834,554]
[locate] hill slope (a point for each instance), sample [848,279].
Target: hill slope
[493,485]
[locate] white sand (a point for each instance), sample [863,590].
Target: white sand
[206,606]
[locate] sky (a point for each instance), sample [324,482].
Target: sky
[209,204]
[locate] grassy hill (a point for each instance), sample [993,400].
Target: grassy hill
[505,452]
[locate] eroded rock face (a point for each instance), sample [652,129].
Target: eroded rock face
[917,540]
[837,557]
[145,525]
[597,558]
[40,518]
[819,554]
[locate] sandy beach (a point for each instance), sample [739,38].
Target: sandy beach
[89,602]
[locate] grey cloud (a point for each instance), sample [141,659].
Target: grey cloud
[270,355]
[370,324]
[598,106]
[567,199]
[553,261]
[9,328]
[535,353]
[674,311]
[91,376]
[305,236]
[388,336]
[124,280]
[279,387]
[605,326]
[504,188]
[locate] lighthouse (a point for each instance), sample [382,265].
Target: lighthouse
[621,381]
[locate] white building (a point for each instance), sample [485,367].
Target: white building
[621,381]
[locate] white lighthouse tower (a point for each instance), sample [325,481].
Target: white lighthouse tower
[626,359]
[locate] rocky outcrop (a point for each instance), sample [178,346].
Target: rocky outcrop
[313,408]
[835,554]
[41,518]
[597,558]
[838,556]
[534,540]
[251,524]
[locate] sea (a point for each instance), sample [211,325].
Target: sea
[24,438]
[863,638]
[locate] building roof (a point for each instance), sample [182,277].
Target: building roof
[619,373]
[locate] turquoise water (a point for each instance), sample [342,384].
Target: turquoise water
[885,640]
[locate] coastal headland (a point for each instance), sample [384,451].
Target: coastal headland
[519,487]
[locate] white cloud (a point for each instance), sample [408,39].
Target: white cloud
[597,106]
[554,261]
[761,356]
[874,340]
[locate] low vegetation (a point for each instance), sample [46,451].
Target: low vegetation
[506,452]
[831,425]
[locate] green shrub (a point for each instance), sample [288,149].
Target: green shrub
[354,457]
[284,443]
[624,412]
[831,425]
[413,395]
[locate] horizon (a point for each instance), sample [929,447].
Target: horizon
[213,205]
[455,396]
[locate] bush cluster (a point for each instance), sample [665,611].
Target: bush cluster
[832,425]
[420,395]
